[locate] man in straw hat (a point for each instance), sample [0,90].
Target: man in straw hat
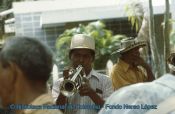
[96,88]
[130,68]
[143,97]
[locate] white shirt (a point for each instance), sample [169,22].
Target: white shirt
[97,81]
[166,107]
[140,95]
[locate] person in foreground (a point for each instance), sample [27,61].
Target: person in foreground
[168,105]
[25,66]
[142,97]
[96,86]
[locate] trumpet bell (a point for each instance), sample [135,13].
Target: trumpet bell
[68,88]
[74,81]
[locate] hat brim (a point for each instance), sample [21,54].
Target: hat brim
[82,48]
[123,50]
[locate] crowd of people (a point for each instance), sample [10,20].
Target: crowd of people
[26,65]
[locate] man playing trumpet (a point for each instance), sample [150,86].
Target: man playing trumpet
[96,86]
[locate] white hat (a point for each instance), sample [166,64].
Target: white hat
[128,44]
[82,41]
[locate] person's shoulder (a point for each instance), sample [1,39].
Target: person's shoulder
[43,100]
[120,67]
[134,89]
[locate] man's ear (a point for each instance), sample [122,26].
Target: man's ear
[70,54]
[13,73]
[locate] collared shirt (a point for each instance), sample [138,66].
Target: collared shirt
[142,96]
[97,81]
[46,100]
[123,74]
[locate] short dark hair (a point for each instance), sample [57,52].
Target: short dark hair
[30,55]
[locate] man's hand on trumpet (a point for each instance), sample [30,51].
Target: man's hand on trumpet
[85,89]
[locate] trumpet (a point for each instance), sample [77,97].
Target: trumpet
[171,61]
[74,81]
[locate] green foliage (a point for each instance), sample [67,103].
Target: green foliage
[135,13]
[105,43]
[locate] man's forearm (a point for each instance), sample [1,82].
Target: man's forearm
[96,98]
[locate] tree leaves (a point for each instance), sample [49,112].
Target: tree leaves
[135,13]
[104,40]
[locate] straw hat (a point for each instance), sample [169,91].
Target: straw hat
[82,41]
[128,44]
